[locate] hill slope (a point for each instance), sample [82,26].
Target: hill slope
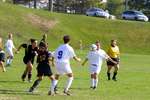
[26,23]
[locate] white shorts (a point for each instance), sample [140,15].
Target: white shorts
[63,68]
[10,52]
[95,69]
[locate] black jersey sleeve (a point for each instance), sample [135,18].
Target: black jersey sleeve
[24,45]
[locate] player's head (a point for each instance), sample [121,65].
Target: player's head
[113,43]
[93,47]
[10,35]
[42,46]
[66,39]
[97,43]
[33,42]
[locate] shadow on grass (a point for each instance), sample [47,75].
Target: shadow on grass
[16,92]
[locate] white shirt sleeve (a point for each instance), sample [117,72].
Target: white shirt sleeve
[104,55]
[71,52]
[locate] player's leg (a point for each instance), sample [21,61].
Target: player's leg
[92,81]
[68,83]
[24,73]
[10,57]
[2,65]
[30,66]
[53,85]
[56,80]
[115,72]
[35,84]
[95,80]
[109,71]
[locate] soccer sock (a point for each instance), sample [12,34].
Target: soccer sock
[10,61]
[68,84]
[29,75]
[36,83]
[7,62]
[108,75]
[92,82]
[114,76]
[95,82]
[53,85]
[24,75]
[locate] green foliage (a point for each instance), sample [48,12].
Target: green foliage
[116,7]
[133,36]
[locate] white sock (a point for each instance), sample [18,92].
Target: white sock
[95,82]
[10,61]
[92,82]
[68,84]
[53,84]
[7,61]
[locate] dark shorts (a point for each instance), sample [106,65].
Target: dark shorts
[109,63]
[2,57]
[43,69]
[26,60]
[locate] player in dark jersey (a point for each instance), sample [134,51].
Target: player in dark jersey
[43,68]
[28,59]
[2,56]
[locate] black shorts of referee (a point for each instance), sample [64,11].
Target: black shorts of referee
[109,63]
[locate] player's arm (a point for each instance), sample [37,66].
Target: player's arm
[76,58]
[84,62]
[22,45]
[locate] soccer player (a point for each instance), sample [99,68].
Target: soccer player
[2,56]
[30,53]
[9,49]
[114,53]
[43,68]
[62,56]
[95,58]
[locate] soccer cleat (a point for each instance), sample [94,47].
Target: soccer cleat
[51,94]
[94,87]
[114,78]
[31,89]
[67,93]
[29,80]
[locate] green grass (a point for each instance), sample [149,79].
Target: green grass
[132,36]
[133,82]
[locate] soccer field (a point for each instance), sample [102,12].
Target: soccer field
[133,82]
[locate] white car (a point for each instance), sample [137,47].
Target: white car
[97,12]
[134,15]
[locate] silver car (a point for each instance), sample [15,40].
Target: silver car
[97,12]
[134,15]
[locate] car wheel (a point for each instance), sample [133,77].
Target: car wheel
[95,14]
[124,18]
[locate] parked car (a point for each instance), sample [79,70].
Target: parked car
[97,12]
[134,15]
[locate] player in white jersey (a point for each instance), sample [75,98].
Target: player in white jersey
[95,58]
[62,57]
[9,49]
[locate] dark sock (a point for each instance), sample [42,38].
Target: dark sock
[24,75]
[114,76]
[29,76]
[36,83]
[108,75]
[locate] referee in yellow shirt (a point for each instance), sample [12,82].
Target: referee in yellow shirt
[114,53]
